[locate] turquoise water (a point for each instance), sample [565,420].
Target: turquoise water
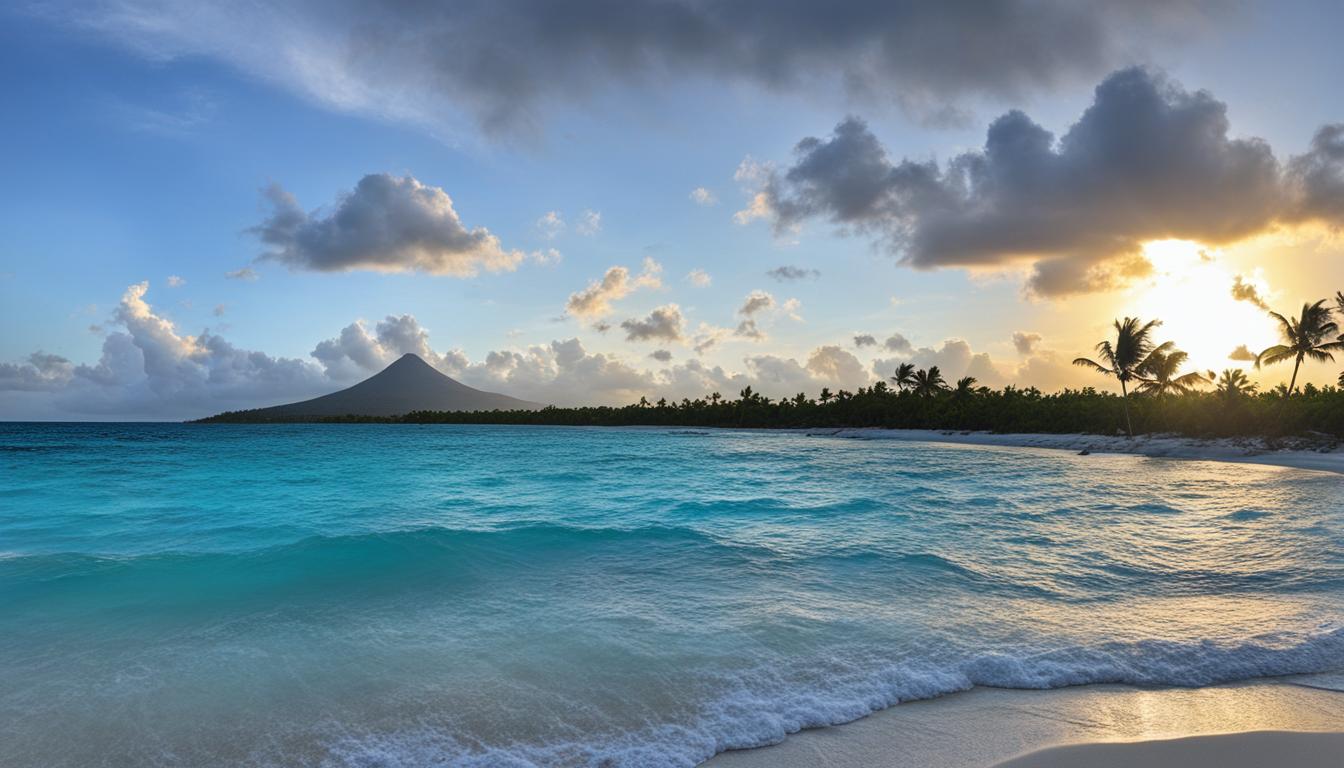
[377,595]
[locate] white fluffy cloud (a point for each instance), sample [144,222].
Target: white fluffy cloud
[589,223]
[703,196]
[1026,342]
[699,278]
[149,369]
[386,224]
[551,225]
[595,300]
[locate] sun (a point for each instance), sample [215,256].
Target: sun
[1190,291]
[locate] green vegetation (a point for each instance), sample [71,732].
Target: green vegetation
[1155,397]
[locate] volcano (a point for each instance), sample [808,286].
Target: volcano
[409,384]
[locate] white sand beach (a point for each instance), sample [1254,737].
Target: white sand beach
[1321,454]
[1235,750]
[1226,726]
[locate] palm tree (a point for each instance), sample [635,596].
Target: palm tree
[1339,302]
[825,394]
[1306,338]
[905,376]
[928,383]
[965,386]
[1125,359]
[1159,374]
[1233,384]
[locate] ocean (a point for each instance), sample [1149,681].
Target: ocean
[397,595]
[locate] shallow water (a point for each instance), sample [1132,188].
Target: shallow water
[380,595]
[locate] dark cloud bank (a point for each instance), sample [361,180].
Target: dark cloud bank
[502,62]
[1147,160]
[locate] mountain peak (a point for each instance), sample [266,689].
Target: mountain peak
[408,384]
[410,358]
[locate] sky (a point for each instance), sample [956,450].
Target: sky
[211,206]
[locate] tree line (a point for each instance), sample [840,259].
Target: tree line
[1155,396]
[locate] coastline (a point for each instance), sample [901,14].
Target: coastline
[1295,453]
[1086,725]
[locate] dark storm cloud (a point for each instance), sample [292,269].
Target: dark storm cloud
[1147,160]
[501,62]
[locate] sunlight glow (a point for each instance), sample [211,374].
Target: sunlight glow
[1191,293]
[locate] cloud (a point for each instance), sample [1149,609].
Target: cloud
[1318,176]
[176,282]
[1147,160]
[1026,342]
[1243,290]
[219,310]
[786,273]
[865,340]
[41,372]
[1242,354]
[589,224]
[702,196]
[546,258]
[699,278]
[387,224]
[355,353]
[955,359]
[664,323]
[149,369]
[748,329]
[595,300]
[246,273]
[898,343]
[502,66]
[707,335]
[756,301]
[831,363]
[550,225]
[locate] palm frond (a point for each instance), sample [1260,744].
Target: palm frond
[1094,365]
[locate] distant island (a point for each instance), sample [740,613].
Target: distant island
[407,385]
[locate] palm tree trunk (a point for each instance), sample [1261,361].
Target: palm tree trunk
[1124,400]
[1293,383]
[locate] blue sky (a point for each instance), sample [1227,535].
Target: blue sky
[140,137]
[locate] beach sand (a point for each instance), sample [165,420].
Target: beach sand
[1223,726]
[1298,453]
[1236,750]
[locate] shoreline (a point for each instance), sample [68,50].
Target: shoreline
[1116,724]
[1299,453]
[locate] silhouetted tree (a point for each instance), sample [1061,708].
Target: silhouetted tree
[1160,374]
[1125,358]
[905,376]
[928,383]
[1233,384]
[1311,335]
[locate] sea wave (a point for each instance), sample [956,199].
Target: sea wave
[754,715]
